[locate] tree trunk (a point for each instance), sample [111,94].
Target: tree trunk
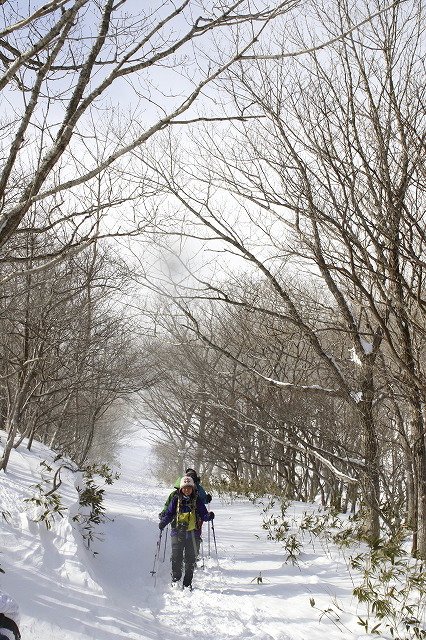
[371,476]
[11,429]
[419,463]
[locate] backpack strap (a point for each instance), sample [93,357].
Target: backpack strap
[8,623]
[177,510]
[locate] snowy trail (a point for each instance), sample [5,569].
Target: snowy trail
[65,591]
[227,601]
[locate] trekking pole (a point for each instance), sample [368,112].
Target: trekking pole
[157,551]
[214,540]
[208,540]
[165,545]
[202,554]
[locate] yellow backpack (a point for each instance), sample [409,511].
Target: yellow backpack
[187,519]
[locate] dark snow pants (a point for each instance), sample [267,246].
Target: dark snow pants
[184,550]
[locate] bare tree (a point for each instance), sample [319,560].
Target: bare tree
[83,83]
[68,352]
[69,66]
[329,181]
[233,419]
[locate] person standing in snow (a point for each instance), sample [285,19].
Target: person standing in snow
[9,618]
[185,512]
[206,498]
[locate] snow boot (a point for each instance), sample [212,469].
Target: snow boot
[187,583]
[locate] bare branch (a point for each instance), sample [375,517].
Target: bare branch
[341,36]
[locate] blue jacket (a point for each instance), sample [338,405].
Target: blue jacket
[201,512]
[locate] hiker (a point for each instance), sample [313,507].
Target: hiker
[184,512]
[9,618]
[205,497]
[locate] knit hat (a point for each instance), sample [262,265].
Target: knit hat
[186,481]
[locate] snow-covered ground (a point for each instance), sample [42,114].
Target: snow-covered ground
[244,591]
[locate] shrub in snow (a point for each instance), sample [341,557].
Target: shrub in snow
[91,512]
[47,501]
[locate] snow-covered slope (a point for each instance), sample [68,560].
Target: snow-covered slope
[66,592]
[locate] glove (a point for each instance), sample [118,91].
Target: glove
[208,497]
[211,515]
[161,525]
